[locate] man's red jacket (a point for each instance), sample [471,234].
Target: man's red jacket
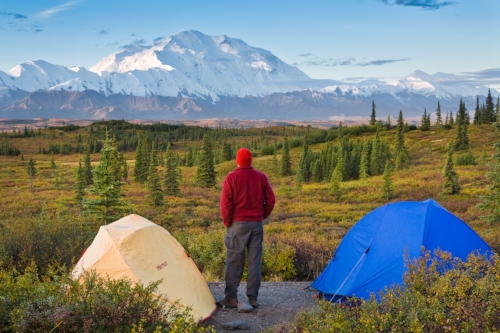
[246,196]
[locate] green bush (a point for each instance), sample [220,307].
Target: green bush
[439,294]
[267,150]
[55,303]
[278,261]
[45,238]
[467,159]
[207,250]
[311,256]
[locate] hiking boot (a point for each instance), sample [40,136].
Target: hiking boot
[227,303]
[253,302]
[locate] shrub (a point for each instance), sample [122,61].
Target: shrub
[44,238]
[267,150]
[467,159]
[54,302]
[311,257]
[207,250]
[278,260]
[440,294]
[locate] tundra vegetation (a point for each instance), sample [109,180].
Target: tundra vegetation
[77,178]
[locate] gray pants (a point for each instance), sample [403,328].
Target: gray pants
[241,236]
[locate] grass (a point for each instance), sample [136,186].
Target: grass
[307,215]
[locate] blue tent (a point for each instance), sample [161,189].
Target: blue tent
[371,255]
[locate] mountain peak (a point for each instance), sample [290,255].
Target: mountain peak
[419,74]
[200,65]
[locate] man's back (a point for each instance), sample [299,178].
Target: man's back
[246,196]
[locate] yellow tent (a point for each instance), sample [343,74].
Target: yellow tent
[136,248]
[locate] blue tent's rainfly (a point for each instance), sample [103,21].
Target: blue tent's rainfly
[371,255]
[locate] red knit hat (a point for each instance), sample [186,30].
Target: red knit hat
[244,157]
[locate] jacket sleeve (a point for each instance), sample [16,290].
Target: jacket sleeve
[226,204]
[269,198]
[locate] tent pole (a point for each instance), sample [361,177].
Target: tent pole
[352,270]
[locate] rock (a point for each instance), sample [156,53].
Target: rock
[235,325]
[244,307]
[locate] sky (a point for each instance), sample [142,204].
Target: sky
[348,40]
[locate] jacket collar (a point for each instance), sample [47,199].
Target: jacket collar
[244,168]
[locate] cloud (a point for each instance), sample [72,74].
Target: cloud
[16,16]
[424,4]
[54,10]
[104,32]
[35,28]
[484,77]
[344,62]
[485,73]
[21,24]
[379,62]
[139,43]
[32,24]
[305,55]
[158,39]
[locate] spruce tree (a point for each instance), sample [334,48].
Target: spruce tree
[305,161]
[286,161]
[227,154]
[400,151]
[387,189]
[275,170]
[491,201]
[335,188]
[153,184]
[461,138]
[388,123]
[376,161]
[172,171]
[424,123]
[451,121]
[439,119]
[497,111]
[105,202]
[31,169]
[364,164]
[373,116]
[205,174]
[341,164]
[489,109]
[79,185]
[450,177]
[52,165]
[124,168]
[318,174]
[477,114]
[141,165]
[340,131]
[116,160]
[189,157]
[87,167]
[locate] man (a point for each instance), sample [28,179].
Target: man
[246,200]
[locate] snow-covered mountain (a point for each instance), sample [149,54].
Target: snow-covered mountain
[189,63]
[221,76]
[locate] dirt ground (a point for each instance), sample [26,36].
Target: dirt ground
[278,302]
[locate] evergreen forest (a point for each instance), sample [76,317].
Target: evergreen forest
[60,184]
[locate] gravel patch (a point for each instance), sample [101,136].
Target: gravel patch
[278,302]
